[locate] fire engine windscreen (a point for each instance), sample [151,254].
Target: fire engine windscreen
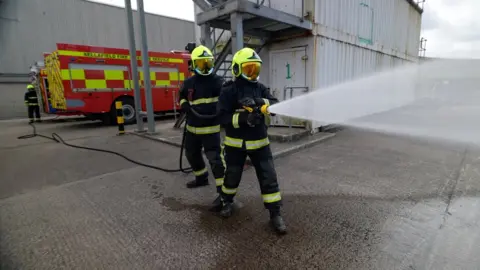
[435,99]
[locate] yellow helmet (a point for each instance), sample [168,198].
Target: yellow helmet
[246,63]
[30,87]
[202,60]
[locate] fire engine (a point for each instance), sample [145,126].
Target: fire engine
[88,80]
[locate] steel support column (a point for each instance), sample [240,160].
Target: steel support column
[134,66]
[146,68]
[205,36]
[236,20]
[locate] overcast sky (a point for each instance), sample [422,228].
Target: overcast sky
[451,27]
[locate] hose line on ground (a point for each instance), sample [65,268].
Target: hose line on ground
[57,138]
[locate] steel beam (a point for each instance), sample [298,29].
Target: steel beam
[134,66]
[202,4]
[146,68]
[236,24]
[258,23]
[250,32]
[216,12]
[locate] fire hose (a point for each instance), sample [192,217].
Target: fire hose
[57,138]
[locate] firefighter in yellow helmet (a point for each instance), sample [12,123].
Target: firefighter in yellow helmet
[31,100]
[242,108]
[200,93]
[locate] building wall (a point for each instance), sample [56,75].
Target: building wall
[29,28]
[393,27]
[11,101]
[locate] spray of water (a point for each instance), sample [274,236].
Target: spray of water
[437,99]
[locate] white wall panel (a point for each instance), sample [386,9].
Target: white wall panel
[394,24]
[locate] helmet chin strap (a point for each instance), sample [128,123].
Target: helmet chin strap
[203,74]
[258,78]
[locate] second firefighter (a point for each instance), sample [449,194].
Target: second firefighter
[200,93]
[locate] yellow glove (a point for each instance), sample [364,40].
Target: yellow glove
[264,109]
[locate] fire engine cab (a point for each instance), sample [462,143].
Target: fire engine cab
[87,80]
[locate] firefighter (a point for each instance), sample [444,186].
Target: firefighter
[246,135]
[200,92]
[31,100]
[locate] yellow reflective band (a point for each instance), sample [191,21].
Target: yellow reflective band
[96,84]
[271,198]
[266,101]
[76,74]
[204,101]
[230,191]
[222,156]
[203,130]
[113,74]
[233,142]
[32,98]
[116,56]
[240,110]
[219,181]
[200,172]
[182,101]
[252,145]
[32,104]
[118,105]
[120,120]
[235,120]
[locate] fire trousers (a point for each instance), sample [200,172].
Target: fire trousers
[262,160]
[33,112]
[213,150]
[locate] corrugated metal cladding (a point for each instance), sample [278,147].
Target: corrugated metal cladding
[29,28]
[393,24]
[337,62]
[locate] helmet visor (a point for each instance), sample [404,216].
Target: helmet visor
[203,66]
[251,70]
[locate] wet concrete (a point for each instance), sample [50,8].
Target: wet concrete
[357,201]
[284,140]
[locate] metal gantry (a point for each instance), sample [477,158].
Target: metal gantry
[247,22]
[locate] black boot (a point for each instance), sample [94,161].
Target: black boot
[217,204]
[277,222]
[227,209]
[198,182]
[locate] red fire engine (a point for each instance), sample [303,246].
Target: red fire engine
[87,80]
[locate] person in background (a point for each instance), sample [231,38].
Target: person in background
[31,100]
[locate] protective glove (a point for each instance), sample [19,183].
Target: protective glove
[254,118]
[248,102]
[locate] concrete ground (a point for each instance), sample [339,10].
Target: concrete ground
[357,201]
